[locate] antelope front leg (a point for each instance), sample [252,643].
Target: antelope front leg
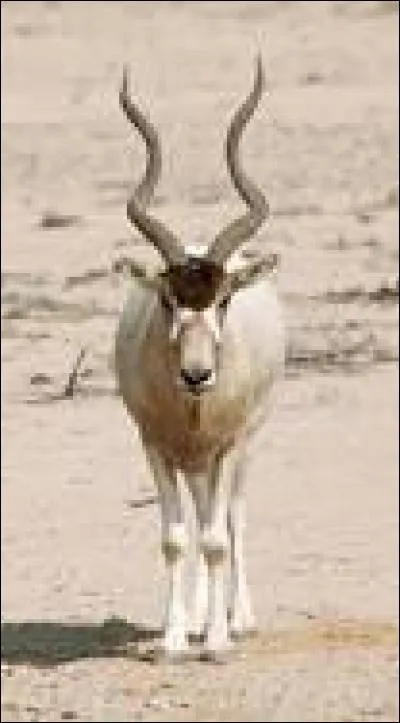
[199,606]
[198,485]
[214,548]
[174,545]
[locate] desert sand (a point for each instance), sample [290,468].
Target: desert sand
[82,572]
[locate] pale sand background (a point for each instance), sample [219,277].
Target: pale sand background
[81,568]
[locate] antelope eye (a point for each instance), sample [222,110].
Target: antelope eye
[223,304]
[166,303]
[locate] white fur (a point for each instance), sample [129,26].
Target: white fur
[211,457]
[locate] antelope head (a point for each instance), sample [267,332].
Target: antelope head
[194,292]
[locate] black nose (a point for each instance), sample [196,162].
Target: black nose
[194,377]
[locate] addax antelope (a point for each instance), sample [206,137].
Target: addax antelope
[199,346]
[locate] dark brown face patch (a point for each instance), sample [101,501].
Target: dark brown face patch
[195,283]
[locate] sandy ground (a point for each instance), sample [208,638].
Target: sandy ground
[81,567]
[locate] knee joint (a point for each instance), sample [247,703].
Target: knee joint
[214,545]
[174,541]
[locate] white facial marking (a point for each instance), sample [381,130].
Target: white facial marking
[183,316]
[210,317]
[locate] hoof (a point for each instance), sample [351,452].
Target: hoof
[217,646]
[164,652]
[217,654]
[173,643]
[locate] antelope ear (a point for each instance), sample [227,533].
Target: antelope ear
[255,269]
[152,281]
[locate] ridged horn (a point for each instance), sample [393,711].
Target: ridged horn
[241,229]
[166,243]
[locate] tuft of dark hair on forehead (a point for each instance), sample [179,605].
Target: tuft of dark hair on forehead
[195,283]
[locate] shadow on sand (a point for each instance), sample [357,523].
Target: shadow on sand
[52,643]
[46,644]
